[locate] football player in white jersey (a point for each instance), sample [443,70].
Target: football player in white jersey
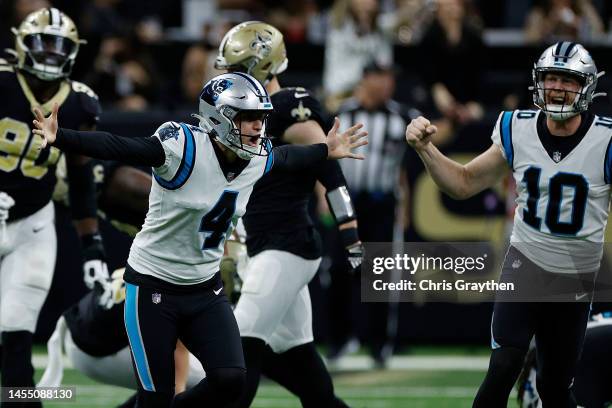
[203,179]
[561,159]
[274,312]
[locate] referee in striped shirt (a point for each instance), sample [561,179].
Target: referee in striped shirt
[374,186]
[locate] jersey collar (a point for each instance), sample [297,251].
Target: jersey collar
[47,107]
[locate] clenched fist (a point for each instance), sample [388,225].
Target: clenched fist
[419,132]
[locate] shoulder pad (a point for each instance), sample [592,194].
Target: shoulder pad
[169,130]
[80,87]
[5,66]
[88,100]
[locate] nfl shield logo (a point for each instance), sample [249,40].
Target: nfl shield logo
[156,298]
[557,157]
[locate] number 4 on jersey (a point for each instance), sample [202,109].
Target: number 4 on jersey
[216,222]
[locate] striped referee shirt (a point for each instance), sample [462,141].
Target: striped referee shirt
[386,126]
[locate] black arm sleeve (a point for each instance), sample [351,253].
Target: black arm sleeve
[294,158]
[138,151]
[330,175]
[82,191]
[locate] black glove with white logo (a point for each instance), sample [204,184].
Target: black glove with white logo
[94,257]
[353,246]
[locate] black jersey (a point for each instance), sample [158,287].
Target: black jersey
[124,219]
[279,202]
[27,173]
[97,331]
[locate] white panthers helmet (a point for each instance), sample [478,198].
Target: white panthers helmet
[228,98]
[570,59]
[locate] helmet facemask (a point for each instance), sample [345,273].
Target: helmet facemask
[46,44]
[571,103]
[226,103]
[565,59]
[235,136]
[49,57]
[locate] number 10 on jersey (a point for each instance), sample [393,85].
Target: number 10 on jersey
[577,182]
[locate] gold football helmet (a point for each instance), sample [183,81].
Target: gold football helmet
[255,48]
[46,44]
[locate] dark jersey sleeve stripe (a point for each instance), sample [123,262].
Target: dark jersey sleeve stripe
[186,166]
[608,163]
[506,136]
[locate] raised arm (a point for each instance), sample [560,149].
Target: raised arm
[457,180]
[140,151]
[336,146]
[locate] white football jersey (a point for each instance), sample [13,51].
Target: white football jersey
[192,208]
[562,202]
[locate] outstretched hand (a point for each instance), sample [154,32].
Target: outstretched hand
[46,127]
[342,145]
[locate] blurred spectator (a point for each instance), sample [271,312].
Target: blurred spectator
[374,187]
[556,20]
[12,12]
[452,49]
[124,75]
[183,92]
[292,18]
[100,18]
[410,20]
[353,40]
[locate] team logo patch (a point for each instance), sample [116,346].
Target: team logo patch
[516,264]
[262,45]
[557,157]
[169,132]
[212,91]
[156,298]
[301,114]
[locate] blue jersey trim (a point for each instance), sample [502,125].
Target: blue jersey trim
[187,163]
[608,163]
[506,136]
[133,331]
[270,159]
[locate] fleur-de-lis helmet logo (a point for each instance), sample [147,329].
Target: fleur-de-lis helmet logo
[262,45]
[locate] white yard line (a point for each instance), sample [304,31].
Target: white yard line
[356,363]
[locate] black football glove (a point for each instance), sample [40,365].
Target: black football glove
[94,261]
[354,249]
[355,256]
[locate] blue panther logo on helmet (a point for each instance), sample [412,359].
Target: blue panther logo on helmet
[211,93]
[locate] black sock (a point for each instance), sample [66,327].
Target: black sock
[17,369]
[253,350]
[504,368]
[302,371]
[130,403]
[221,388]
